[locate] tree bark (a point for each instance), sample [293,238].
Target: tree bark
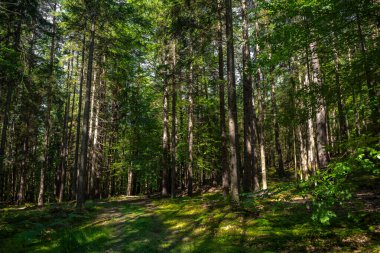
[165,138]
[249,163]
[190,126]
[341,114]
[86,119]
[232,107]
[46,164]
[174,122]
[77,135]
[323,157]
[280,168]
[222,109]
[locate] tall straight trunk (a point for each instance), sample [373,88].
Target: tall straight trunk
[94,166]
[262,140]
[94,124]
[174,122]
[4,139]
[261,105]
[232,107]
[86,120]
[222,109]
[23,171]
[323,157]
[373,93]
[89,173]
[61,172]
[311,147]
[356,114]
[280,169]
[249,163]
[165,138]
[46,164]
[341,114]
[304,171]
[70,139]
[75,171]
[190,127]
[63,162]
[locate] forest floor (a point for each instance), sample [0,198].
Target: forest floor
[204,223]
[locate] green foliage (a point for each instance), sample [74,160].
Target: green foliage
[333,189]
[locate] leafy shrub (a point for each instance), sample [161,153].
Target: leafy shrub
[333,188]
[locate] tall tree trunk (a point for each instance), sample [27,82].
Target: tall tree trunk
[323,157]
[165,137]
[70,139]
[94,165]
[4,139]
[311,147]
[280,169]
[46,164]
[249,163]
[77,135]
[174,122]
[61,172]
[23,170]
[341,114]
[222,109]
[374,97]
[190,126]
[261,105]
[86,119]
[232,107]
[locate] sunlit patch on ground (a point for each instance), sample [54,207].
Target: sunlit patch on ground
[200,224]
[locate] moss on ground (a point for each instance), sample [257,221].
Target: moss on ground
[204,223]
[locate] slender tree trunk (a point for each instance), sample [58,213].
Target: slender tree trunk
[374,97]
[249,163]
[190,127]
[232,107]
[295,154]
[174,122]
[280,170]
[4,139]
[222,109]
[165,138]
[86,120]
[323,157]
[261,105]
[94,154]
[311,147]
[341,114]
[77,135]
[70,139]
[23,170]
[304,171]
[61,171]
[46,164]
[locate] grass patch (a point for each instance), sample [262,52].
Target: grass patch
[206,223]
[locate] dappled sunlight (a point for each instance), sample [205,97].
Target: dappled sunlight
[201,224]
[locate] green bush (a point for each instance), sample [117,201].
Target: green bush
[333,189]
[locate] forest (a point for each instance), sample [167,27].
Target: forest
[189,126]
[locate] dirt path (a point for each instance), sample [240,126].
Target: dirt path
[114,215]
